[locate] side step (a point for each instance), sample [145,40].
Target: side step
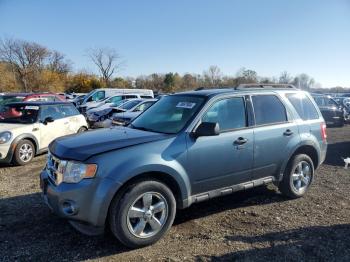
[231,189]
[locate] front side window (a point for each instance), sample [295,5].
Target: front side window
[143,106]
[331,102]
[129,105]
[68,110]
[99,95]
[319,100]
[50,111]
[268,109]
[303,105]
[228,113]
[169,115]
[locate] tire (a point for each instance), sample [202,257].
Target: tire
[82,129]
[295,183]
[136,227]
[24,152]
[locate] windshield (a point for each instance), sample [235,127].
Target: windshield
[21,114]
[169,115]
[130,104]
[10,99]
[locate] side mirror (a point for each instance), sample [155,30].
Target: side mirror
[47,120]
[207,129]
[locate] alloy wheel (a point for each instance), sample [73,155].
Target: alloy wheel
[301,177]
[147,215]
[26,152]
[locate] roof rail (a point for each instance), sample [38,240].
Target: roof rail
[258,86]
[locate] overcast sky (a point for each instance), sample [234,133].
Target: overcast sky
[182,36]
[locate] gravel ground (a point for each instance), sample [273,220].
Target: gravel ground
[258,224]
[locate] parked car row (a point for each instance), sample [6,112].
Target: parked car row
[120,113]
[335,113]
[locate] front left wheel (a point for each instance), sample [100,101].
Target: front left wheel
[24,152]
[143,214]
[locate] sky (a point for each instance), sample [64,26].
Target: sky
[188,36]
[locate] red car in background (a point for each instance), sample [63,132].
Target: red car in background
[7,98]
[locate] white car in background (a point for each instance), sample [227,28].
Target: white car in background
[27,128]
[99,96]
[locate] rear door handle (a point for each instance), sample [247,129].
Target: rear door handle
[288,132]
[240,141]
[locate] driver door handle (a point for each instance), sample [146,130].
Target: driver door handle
[240,141]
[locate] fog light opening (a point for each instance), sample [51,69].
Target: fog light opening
[69,208]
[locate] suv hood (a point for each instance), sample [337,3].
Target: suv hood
[82,146]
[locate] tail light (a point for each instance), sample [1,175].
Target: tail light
[323,132]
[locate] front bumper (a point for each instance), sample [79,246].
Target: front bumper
[6,152]
[87,201]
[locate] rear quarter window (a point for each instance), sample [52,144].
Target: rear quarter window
[303,105]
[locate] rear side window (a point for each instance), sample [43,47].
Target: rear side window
[303,105]
[268,109]
[228,113]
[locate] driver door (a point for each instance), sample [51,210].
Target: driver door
[52,130]
[226,159]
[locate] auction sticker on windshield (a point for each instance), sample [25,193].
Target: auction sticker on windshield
[187,105]
[32,108]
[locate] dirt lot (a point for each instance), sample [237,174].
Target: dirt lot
[257,225]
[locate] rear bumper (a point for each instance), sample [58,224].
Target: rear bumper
[87,201]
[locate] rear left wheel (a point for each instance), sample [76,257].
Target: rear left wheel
[298,176]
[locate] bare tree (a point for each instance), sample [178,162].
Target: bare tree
[303,81]
[26,58]
[213,75]
[57,63]
[107,60]
[285,78]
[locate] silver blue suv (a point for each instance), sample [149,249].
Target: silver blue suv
[187,148]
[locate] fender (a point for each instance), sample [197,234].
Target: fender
[309,142]
[131,169]
[14,143]
[128,170]
[24,136]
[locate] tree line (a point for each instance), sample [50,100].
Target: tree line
[30,67]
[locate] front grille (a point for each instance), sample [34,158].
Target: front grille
[54,169]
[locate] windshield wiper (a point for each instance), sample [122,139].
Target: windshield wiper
[147,129]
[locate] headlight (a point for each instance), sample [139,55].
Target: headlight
[5,137]
[74,172]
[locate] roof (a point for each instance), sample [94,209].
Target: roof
[28,94]
[208,92]
[16,94]
[40,103]
[233,90]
